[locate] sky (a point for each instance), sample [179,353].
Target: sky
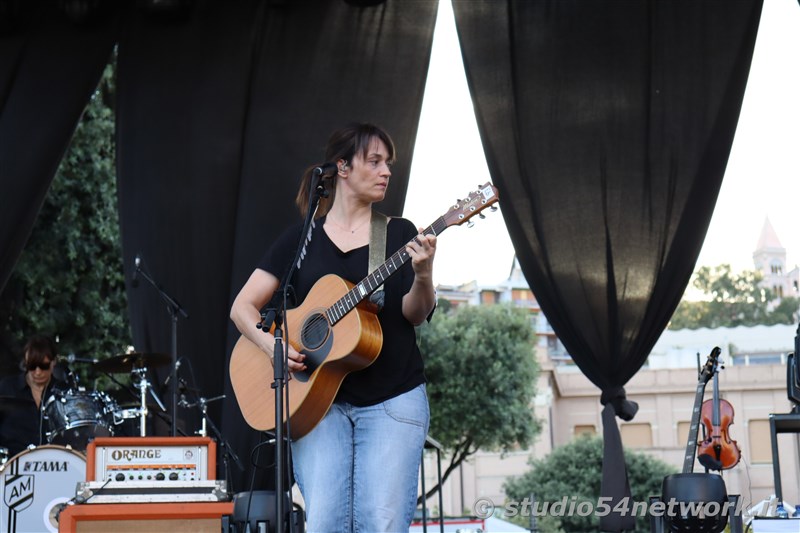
[762,178]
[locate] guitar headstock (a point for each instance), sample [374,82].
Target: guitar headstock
[710,368]
[477,201]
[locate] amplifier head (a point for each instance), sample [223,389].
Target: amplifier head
[151,459]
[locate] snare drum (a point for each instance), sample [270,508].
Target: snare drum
[34,482]
[76,417]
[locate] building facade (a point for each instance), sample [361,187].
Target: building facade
[567,403]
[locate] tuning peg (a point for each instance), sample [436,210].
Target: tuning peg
[470,223]
[481,215]
[492,208]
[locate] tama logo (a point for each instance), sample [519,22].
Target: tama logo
[130,455]
[45,466]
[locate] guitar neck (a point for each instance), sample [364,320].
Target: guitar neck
[691,446]
[375,279]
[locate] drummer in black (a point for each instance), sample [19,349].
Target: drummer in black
[22,420]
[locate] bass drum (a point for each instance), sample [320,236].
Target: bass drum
[35,484]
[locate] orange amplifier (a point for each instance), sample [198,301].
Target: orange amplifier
[151,469]
[151,459]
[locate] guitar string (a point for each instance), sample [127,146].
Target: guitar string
[370,280]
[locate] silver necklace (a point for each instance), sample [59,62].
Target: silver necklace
[352,231]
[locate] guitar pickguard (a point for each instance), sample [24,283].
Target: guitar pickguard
[314,358]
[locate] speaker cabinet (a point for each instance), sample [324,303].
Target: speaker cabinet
[201,517]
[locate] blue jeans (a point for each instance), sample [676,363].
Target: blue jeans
[358,469]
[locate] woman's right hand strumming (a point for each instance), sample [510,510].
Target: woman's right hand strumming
[246,314]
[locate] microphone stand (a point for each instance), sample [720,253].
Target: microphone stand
[280,356]
[174,309]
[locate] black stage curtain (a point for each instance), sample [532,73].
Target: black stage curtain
[49,67]
[219,113]
[607,127]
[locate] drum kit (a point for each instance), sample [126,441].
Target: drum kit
[37,482]
[75,416]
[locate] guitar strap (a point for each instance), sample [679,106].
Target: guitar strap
[377,251]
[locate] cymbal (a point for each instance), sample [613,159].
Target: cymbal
[129,361]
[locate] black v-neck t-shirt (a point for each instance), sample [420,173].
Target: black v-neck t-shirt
[399,366]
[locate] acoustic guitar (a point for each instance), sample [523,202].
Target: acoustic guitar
[337,331]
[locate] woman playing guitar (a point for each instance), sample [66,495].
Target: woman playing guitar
[359,465]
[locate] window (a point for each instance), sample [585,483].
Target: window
[760,444]
[489,297]
[519,294]
[586,429]
[758,359]
[636,435]
[683,433]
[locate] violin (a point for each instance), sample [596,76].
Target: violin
[704,377]
[718,451]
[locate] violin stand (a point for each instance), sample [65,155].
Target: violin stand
[695,488]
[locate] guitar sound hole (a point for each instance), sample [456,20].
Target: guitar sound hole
[315,331]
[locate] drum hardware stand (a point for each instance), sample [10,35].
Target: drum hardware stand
[227,452]
[203,404]
[174,309]
[70,378]
[144,385]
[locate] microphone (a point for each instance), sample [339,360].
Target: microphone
[137,262]
[72,358]
[326,171]
[177,367]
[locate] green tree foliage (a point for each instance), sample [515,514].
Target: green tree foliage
[786,312]
[69,280]
[732,300]
[481,370]
[574,471]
